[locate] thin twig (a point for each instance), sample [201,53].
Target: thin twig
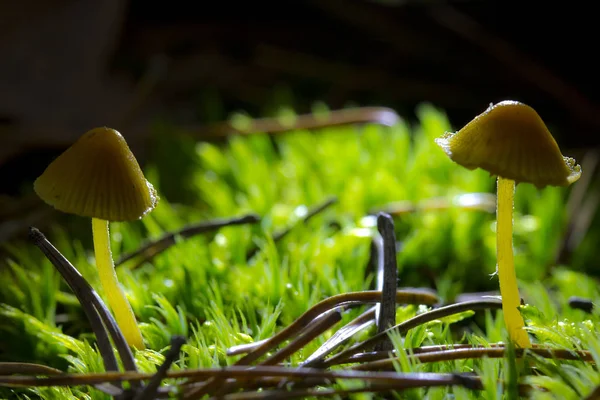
[244,348]
[363,321]
[377,267]
[412,323]
[370,296]
[581,303]
[469,382]
[399,380]
[467,201]
[498,352]
[325,323]
[11,368]
[472,296]
[389,278]
[358,324]
[382,355]
[230,372]
[150,390]
[373,261]
[377,115]
[249,347]
[86,295]
[83,294]
[334,393]
[155,247]
[311,392]
[406,297]
[462,354]
[281,234]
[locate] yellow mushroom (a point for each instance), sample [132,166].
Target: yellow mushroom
[98,177]
[510,140]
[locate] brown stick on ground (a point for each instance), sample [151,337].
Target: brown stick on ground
[377,115]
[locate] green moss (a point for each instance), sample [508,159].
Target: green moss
[205,289]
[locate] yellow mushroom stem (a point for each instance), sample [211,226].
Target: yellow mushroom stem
[108,278]
[506,265]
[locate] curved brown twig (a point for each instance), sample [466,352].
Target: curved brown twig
[231,372]
[91,303]
[411,323]
[155,247]
[12,368]
[84,294]
[361,322]
[377,115]
[315,330]
[376,381]
[371,296]
[466,353]
[325,321]
[149,392]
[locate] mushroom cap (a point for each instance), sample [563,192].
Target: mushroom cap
[97,177]
[510,140]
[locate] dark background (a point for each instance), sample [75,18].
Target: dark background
[68,66]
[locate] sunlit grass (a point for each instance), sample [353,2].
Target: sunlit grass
[205,289]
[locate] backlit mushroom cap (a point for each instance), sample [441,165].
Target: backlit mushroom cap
[97,177]
[510,140]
